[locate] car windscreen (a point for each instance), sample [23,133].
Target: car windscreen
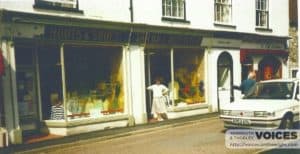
[271,90]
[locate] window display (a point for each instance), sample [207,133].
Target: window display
[188,86]
[185,67]
[93,81]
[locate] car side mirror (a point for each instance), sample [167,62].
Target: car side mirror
[298,97]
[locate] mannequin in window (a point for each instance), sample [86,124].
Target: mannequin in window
[57,109]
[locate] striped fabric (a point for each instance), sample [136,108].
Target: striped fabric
[57,113]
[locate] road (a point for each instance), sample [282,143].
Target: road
[201,136]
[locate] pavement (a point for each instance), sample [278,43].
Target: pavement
[102,135]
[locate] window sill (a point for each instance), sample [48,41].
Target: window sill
[188,107]
[85,121]
[56,8]
[175,20]
[263,29]
[224,25]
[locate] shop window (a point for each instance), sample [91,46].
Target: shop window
[94,81]
[262,13]
[188,85]
[270,68]
[181,70]
[223,10]
[66,5]
[173,9]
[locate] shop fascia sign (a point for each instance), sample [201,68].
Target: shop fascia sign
[118,36]
[267,45]
[220,42]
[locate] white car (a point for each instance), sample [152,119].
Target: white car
[269,104]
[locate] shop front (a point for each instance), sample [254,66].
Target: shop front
[60,84]
[266,56]
[268,64]
[179,61]
[68,79]
[64,80]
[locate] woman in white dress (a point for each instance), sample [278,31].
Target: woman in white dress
[158,104]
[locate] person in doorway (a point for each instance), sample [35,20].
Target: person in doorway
[248,83]
[158,105]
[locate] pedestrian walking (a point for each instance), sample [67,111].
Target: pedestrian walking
[159,108]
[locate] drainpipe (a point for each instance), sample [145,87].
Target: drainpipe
[131,11]
[298,19]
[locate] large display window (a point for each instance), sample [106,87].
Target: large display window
[92,77]
[94,81]
[188,86]
[182,71]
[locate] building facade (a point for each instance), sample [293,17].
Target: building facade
[293,42]
[74,66]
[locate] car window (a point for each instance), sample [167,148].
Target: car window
[271,90]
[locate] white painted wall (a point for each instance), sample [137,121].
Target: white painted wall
[212,75]
[200,13]
[212,79]
[136,81]
[111,10]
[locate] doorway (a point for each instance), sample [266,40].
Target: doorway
[225,79]
[27,99]
[157,64]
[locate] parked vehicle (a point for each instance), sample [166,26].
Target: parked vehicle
[269,104]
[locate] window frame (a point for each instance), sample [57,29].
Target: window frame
[180,10]
[57,5]
[219,15]
[259,9]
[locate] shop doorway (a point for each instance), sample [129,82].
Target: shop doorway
[157,64]
[225,79]
[27,99]
[270,68]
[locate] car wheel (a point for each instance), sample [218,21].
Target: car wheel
[286,122]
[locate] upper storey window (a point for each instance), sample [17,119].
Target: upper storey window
[262,13]
[65,5]
[223,10]
[173,9]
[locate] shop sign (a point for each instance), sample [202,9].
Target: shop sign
[84,34]
[220,42]
[117,36]
[267,45]
[173,40]
[270,45]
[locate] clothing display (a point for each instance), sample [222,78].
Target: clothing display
[57,112]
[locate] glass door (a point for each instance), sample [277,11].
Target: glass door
[26,88]
[27,102]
